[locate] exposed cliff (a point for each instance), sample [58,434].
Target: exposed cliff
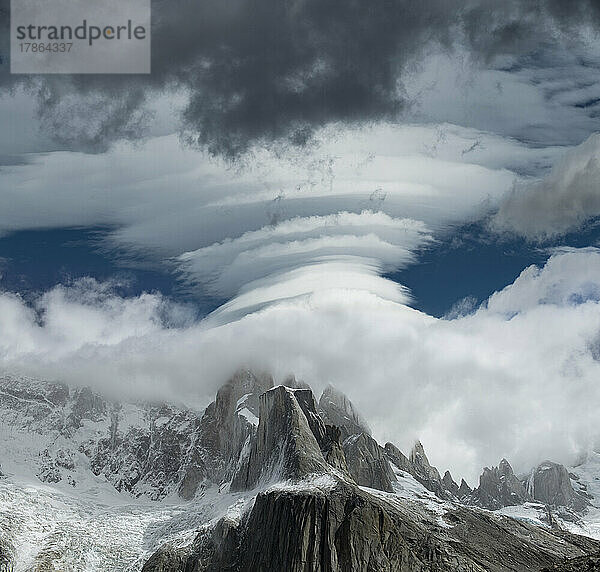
[499,487]
[549,483]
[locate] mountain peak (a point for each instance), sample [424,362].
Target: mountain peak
[499,487]
[285,446]
[336,409]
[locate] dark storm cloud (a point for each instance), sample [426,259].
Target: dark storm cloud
[265,70]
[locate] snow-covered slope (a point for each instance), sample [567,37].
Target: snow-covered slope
[76,439]
[98,530]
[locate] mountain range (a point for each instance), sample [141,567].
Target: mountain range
[267,477]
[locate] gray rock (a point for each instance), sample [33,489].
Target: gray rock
[150,460]
[230,421]
[328,436]
[449,484]
[581,564]
[285,446]
[398,458]
[550,484]
[293,383]
[86,405]
[141,449]
[419,467]
[464,491]
[423,472]
[336,409]
[499,487]
[7,562]
[367,463]
[342,528]
[332,449]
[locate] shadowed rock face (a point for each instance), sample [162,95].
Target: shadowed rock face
[418,466]
[367,463]
[328,436]
[230,421]
[178,448]
[293,441]
[449,484]
[284,447]
[337,527]
[6,556]
[398,458]
[427,475]
[464,490]
[550,484]
[581,564]
[499,487]
[336,409]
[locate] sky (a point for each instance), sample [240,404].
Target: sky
[398,199]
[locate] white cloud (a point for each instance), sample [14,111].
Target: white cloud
[545,98]
[384,242]
[155,187]
[367,197]
[517,378]
[561,202]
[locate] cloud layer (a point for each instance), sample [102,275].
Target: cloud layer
[563,201]
[515,378]
[264,71]
[369,198]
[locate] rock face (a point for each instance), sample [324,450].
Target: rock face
[141,449]
[328,436]
[336,526]
[303,482]
[449,484]
[73,433]
[581,564]
[418,466]
[464,491]
[152,460]
[550,484]
[285,446]
[310,516]
[6,556]
[367,463]
[336,409]
[499,487]
[427,475]
[398,458]
[293,441]
[229,423]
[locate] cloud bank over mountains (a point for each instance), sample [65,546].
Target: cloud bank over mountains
[296,247]
[517,377]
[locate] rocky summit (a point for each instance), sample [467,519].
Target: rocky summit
[266,478]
